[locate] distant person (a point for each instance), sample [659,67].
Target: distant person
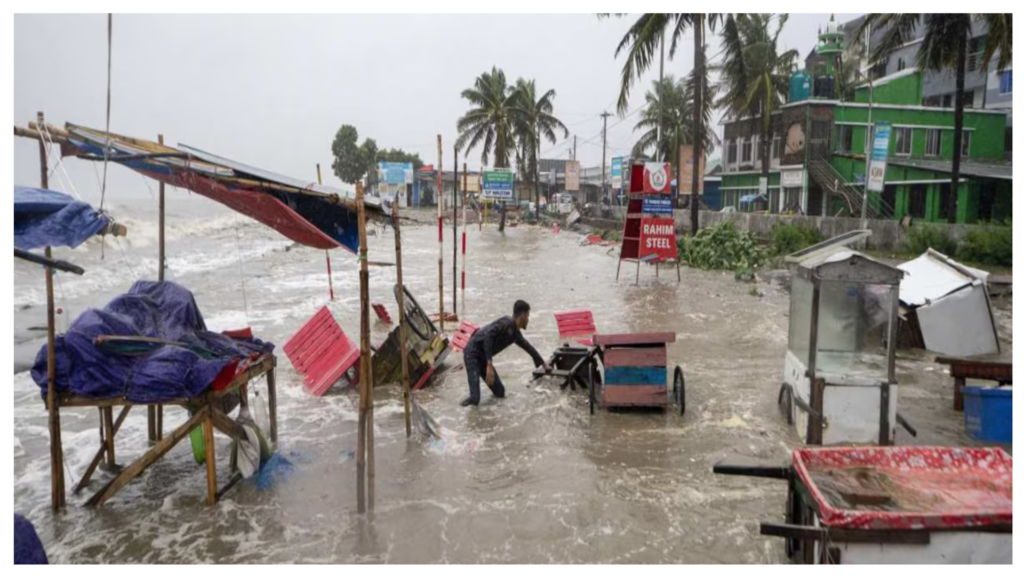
[489,341]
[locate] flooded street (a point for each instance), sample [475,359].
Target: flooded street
[531,478]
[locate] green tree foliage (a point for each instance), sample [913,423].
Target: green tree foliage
[349,164]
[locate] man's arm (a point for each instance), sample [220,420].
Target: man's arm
[522,343]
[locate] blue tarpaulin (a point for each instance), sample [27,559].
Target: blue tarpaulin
[49,218]
[162,310]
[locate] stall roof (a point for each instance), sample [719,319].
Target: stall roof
[834,260]
[934,275]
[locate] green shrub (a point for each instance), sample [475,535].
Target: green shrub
[921,237]
[990,244]
[722,247]
[789,238]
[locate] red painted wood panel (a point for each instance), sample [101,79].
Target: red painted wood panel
[575,323]
[321,352]
[649,395]
[638,338]
[461,338]
[618,357]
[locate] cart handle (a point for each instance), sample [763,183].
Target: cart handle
[760,471]
[906,424]
[798,532]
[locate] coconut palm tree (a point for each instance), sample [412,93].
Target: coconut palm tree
[534,121]
[669,105]
[489,122]
[754,74]
[641,41]
[944,46]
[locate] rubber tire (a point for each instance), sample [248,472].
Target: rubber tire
[786,395]
[679,389]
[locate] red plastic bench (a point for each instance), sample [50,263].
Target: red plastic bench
[321,352]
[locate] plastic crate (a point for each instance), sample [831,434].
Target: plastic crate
[988,413]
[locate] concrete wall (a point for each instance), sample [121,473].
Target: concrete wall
[885,234]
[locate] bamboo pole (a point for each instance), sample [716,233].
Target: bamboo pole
[56,452]
[365,366]
[154,414]
[327,253]
[465,188]
[440,234]
[455,232]
[401,322]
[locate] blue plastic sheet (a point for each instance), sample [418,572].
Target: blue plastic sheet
[163,310]
[49,218]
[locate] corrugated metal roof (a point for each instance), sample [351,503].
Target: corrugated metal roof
[998,171]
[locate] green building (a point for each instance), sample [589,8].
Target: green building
[820,146]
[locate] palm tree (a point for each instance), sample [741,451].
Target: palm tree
[489,123]
[945,45]
[640,42]
[754,75]
[669,105]
[534,120]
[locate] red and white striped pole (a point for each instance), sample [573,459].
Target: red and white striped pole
[330,277]
[465,189]
[440,235]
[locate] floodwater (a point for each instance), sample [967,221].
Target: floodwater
[531,478]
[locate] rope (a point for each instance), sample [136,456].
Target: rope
[106,146]
[241,269]
[48,141]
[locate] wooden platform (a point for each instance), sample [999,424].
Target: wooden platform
[207,411]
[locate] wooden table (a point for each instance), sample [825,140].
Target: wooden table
[963,368]
[206,412]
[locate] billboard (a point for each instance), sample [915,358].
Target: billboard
[685,180]
[497,184]
[395,172]
[879,157]
[572,176]
[657,177]
[617,163]
[658,238]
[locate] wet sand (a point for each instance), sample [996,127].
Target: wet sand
[532,478]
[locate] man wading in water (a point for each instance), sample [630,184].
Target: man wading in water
[488,341]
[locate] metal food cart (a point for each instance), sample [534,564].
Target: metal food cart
[840,369]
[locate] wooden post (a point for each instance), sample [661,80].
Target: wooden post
[154,414]
[272,400]
[327,253]
[108,433]
[465,188]
[365,450]
[211,460]
[455,232]
[401,321]
[440,230]
[815,424]
[56,452]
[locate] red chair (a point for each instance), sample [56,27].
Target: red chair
[382,313]
[573,323]
[321,352]
[461,338]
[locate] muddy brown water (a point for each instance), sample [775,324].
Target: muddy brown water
[531,478]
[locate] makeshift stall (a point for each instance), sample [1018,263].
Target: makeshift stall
[840,369]
[649,230]
[894,505]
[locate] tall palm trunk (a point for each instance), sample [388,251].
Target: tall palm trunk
[536,178]
[958,129]
[766,146]
[698,128]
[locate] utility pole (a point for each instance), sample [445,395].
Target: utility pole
[574,147]
[870,139]
[661,107]
[604,150]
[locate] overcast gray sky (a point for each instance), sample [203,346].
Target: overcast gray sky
[271,91]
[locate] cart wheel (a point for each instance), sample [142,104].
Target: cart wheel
[786,402]
[679,389]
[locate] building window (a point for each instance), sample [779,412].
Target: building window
[968,98]
[933,142]
[776,147]
[845,141]
[748,144]
[732,152]
[947,101]
[903,139]
[965,144]
[901,64]
[916,202]
[1006,82]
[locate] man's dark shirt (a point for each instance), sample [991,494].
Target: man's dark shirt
[498,335]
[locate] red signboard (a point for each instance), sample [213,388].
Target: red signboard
[657,178]
[658,238]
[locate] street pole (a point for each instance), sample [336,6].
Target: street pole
[440,236]
[698,119]
[465,188]
[604,150]
[327,253]
[869,144]
[661,108]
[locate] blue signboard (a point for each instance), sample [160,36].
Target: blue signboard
[395,172]
[617,173]
[879,157]
[654,205]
